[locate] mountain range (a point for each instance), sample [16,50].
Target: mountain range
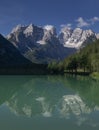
[32,46]
[44,45]
[76,38]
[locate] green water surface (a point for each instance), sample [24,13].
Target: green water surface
[49,103]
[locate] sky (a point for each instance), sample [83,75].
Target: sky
[60,13]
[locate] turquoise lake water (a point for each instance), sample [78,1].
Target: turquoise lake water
[49,103]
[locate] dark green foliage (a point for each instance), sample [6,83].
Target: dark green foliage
[86,60]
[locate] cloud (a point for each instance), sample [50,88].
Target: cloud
[66,25]
[94,19]
[82,23]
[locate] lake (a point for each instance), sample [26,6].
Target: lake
[49,103]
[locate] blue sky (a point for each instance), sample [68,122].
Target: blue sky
[60,13]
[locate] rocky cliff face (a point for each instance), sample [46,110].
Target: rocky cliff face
[43,45]
[76,38]
[97,36]
[39,44]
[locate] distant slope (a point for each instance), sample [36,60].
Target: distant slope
[12,62]
[9,55]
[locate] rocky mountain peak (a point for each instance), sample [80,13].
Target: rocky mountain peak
[29,29]
[76,38]
[97,35]
[43,43]
[50,29]
[18,28]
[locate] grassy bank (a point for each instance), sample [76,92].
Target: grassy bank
[95,75]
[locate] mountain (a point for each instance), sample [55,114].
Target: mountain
[39,44]
[97,35]
[9,55]
[25,37]
[44,45]
[76,38]
[12,62]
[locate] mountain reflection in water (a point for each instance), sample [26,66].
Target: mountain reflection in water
[64,97]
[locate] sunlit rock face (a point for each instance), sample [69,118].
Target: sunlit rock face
[76,38]
[43,44]
[97,35]
[26,37]
[39,44]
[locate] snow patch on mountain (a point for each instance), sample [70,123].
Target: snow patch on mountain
[18,28]
[76,38]
[97,35]
[48,27]
[41,42]
[29,30]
